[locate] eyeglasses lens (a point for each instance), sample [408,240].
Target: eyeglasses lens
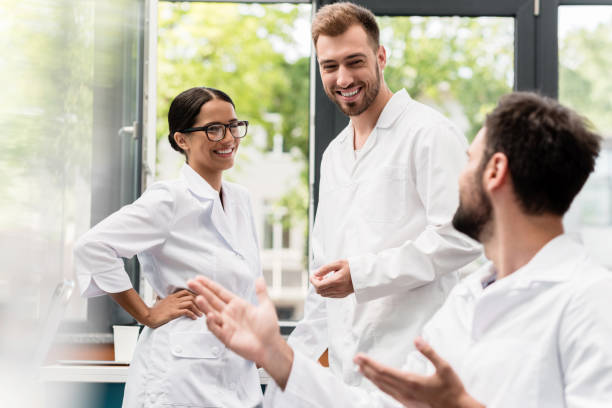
[238,130]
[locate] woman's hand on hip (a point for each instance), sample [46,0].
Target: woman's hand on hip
[181,303]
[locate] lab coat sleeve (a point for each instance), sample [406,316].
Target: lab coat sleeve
[315,386]
[584,343]
[438,156]
[134,228]
[309,339]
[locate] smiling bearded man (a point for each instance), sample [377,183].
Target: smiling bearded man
[382,239]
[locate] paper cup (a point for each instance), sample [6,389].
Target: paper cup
[125,338]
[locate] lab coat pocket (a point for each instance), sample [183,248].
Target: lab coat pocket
[382,195]
[195,370]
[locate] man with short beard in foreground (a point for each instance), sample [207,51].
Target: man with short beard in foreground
[530,329]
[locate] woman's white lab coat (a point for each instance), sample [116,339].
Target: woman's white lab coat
[179,229]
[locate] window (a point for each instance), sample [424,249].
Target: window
[585,49]
[458,65]
[71,112]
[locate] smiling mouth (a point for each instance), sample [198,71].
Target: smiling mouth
[224,152]
[349,93]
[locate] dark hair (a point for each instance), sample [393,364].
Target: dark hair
[335,19]
[551,150]
[186,107]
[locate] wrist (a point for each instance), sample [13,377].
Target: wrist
[278,360]
[146,317]
[466,401]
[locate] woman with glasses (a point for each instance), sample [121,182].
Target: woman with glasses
[197,224]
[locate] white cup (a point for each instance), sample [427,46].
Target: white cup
[125,338]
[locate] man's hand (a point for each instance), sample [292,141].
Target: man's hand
[333,285]
[250,331]
[181,303]
[440,390]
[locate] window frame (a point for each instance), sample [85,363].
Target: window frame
[118,110]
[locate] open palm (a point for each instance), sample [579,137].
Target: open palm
[242,327]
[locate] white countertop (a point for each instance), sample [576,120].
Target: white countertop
[99,373]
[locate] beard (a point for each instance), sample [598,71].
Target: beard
[472,219]
[370,90]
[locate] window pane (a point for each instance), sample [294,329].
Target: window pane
[260,55]
[459,65]
[585,84]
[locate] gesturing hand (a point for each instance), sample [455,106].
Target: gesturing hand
[181,303]
[244,328]
[443,389]
[336,285]
[250,331]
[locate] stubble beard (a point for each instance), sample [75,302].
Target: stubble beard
[352,109]
[474,220]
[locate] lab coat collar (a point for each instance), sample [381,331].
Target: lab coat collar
[197,184]
[200,187]
[554,263]
[392,110]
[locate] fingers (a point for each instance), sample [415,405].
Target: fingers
[219,291]
[195,285]
[204,288]
[203,305]
[325,269]
[213,300]
[215,325]
[429,352]
[261,291]
[189,313]
[375,372]
[381,374]
[323,285]
[191,305]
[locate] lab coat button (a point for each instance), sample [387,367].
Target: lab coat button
[178,350]
[215,351]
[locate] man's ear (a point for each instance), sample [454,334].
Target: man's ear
[381,57]
[181,141]
[495,174]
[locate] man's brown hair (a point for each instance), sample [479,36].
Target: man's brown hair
[334,19]
[551,150]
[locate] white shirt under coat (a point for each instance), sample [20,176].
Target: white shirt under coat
[179,229]
[540,337]
[388,210]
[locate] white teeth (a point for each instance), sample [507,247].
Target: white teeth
[226,151]
[348,94]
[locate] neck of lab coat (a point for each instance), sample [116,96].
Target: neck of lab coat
[516,237]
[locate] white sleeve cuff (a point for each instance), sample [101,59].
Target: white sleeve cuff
[113,281]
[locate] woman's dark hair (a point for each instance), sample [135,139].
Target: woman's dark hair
[186,107]
[551,150]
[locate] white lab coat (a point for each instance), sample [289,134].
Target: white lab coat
[179,229]
[541,337]
[389,212]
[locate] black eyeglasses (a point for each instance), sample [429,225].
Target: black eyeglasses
[216,131]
